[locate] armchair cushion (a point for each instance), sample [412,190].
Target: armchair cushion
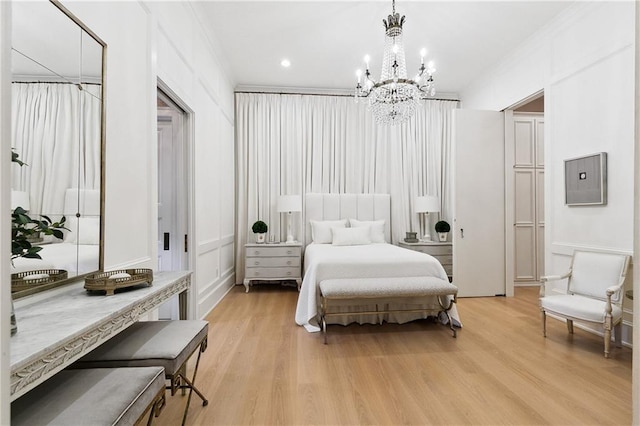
[579,307]
[593,272]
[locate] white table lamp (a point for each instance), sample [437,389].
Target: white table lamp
[289,204]
[427,204]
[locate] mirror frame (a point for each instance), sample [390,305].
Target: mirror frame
[44,287]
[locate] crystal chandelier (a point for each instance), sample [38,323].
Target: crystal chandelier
[394,98]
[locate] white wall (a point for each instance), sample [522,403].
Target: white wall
[166,41]
[584,61]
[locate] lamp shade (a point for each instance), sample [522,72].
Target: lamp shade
[20,199]
[427,204]
[289,203]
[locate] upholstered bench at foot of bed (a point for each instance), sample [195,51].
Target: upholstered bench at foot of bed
[371,290]
[97,396]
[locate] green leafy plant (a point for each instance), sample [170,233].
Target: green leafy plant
[259,227]
[442,226]
[24,228]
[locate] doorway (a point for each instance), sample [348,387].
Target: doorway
[524,146]
[173,184]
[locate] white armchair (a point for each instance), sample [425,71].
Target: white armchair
[594,293]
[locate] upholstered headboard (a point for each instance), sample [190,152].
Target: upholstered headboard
[346,206]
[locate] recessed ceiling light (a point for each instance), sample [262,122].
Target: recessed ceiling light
[285,63]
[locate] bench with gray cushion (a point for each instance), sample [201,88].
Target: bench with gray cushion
[382,291]
[168,344]
[97,396]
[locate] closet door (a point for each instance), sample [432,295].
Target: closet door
[524,196]
[479,203]
[528,198]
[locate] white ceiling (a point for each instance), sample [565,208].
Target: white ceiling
[327,40]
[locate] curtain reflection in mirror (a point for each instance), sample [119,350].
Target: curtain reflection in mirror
[56,131]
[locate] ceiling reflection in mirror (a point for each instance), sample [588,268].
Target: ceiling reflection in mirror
[57,131]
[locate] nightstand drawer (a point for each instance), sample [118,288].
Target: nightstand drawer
[434,250]
[283,273]
[273,251]
[273,261]
[444,259]
[448,268]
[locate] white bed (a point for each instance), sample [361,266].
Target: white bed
[376,260]
[76,259]
[79,252]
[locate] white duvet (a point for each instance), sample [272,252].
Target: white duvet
[326,261]
[74,258]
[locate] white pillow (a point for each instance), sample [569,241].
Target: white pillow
[377,228]
[321,230]
[351,236]
[88,231]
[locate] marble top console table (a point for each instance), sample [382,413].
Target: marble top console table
[55,331]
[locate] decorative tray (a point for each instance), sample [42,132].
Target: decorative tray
[110,281]
[29,279]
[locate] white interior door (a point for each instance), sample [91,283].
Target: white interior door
[172,217]
[479,203]
[166,194]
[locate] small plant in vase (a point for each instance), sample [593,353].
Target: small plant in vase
[260,229]
[442,228]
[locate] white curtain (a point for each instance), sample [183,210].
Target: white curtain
[56,132]
[295,144]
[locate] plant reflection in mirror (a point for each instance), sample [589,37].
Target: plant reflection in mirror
[24,229]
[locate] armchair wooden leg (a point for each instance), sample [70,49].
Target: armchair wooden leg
[570,326]
[544,323]
[607,336]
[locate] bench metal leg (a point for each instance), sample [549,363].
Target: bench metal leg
[190,383]
[324,328]
[446,310]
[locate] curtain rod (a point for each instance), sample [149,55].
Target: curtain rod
[326,94]
[53,82]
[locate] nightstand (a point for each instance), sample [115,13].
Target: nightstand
[441,251]
[272,262]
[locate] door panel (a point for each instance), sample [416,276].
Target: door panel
[166,179]
[525,222]
[479,206]
[524,148]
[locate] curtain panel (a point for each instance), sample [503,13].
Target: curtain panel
[56,130]
[295,144]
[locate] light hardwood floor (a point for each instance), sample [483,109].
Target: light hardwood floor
[260,368]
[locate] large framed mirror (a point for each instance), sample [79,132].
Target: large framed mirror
[58,133]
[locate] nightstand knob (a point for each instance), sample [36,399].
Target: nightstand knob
[256,263]
[289,273]
[257,273]
[289,252]
[288,262]
[257,252]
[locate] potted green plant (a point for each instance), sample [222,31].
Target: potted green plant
[442,228]
[260,229]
